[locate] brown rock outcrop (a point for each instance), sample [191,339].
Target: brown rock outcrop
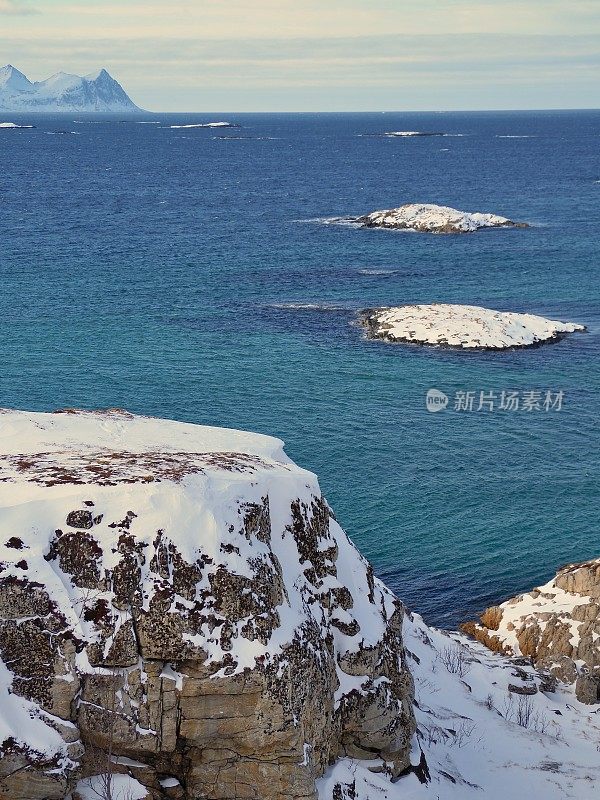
[557,626]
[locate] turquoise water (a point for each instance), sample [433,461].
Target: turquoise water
[161,270]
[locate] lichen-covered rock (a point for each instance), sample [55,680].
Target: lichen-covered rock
[556,625]
[182,598]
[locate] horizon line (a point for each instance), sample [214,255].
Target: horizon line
[316,111]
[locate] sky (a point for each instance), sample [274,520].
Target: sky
[318,55]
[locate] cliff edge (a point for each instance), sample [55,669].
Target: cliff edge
[179,603]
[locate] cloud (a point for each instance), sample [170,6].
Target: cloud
[243,19]
[360,59]
[15,8]
[360,72]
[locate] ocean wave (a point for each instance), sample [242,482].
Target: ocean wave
[250,138]
[307,307]
[515,136]
[376,272]
[345,221]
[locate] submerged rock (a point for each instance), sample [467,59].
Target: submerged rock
[182,598]
[464,327]
[557,626]
[429,218]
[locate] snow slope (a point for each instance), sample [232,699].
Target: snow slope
[478,738]
[466,327]
[97,92]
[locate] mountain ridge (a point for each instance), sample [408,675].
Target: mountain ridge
[63,92]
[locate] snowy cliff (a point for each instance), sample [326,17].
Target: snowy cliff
[181,612]
[97,92]
[183,598]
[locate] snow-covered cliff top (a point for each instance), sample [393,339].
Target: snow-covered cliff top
[76,430]
[466,327]
[429,218]
[115,446]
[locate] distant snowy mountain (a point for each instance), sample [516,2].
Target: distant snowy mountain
[62,92]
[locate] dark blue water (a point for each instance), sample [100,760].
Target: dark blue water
[158,269]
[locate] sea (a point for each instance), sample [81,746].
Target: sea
[187,273]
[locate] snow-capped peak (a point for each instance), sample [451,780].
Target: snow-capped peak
[63,91]
[12,78]
[101,73]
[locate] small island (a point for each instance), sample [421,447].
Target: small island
[207,125]
[405,134]
[430,218]
[462,327]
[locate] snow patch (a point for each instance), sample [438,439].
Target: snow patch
[124,787]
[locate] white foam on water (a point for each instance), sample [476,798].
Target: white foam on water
[378,271]
[308,307]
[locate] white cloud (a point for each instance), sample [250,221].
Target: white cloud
[14,8]
[243,19]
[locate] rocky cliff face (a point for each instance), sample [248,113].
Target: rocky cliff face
[556,625]
[178,602]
